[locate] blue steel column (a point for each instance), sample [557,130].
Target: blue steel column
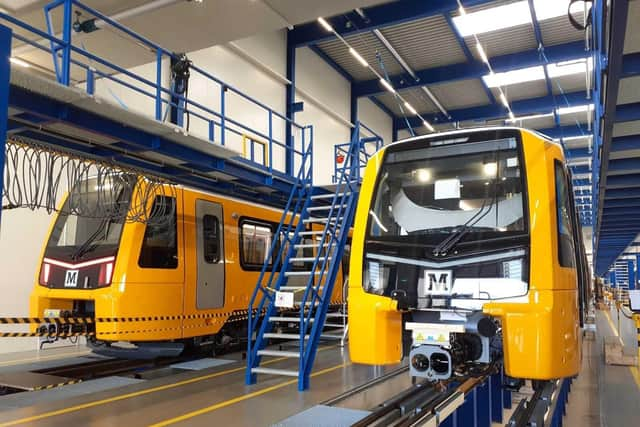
[290,109]
[5,70]
[637,275]
[631,274]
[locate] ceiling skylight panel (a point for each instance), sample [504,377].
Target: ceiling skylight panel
[514,77]
[493,19]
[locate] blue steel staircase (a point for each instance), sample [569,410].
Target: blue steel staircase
[294,270]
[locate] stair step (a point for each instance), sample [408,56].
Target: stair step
[301,273]
[334,315]
[307,258]
[285,319]
[327,196]
[324,208]
[333,325]
[271,371]
[278,353]
[292,288]
[313,245]
[310,233]
[280,336]
[331,337]
[316,220]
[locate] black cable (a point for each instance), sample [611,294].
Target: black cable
[573,21]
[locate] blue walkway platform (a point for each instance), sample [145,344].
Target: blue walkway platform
[66,118]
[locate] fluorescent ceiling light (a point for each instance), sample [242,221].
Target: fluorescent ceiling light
[427,125]
[19,62]
[513,77]
[482,53]
[387,86]
[360,59]
[503,99]
[531,117]
[573,138]
[576,109]
[568,68]
[506,16]
[410,108]
[493,19]
[325,24]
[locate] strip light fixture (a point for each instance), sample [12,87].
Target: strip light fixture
[383,80]
[485,59]
[19,62]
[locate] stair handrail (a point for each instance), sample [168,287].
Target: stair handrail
[303,178]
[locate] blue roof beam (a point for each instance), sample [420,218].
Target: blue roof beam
[380,16]
[476,69]
[540,105]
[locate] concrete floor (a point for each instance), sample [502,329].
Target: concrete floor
[607,396]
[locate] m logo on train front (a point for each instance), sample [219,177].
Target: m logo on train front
[71,279]
[437,282]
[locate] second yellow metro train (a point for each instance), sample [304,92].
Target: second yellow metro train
[467,250]
[183,279]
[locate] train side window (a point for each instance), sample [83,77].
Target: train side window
[211,239]
[566,249]
[255,242]
[160,242]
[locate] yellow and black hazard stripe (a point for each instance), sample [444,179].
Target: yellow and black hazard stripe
[44,334]
[52,320]
[224,317]
[50,386]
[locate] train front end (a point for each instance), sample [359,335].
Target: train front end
[462,259]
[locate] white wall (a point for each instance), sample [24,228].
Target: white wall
[326,97]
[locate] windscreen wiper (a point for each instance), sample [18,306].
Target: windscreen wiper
[86,246]
[448,243]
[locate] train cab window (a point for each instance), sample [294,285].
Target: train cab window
[566,250]
[160,246]
[255,242]
[211,239]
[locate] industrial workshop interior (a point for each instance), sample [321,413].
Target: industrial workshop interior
[320,213]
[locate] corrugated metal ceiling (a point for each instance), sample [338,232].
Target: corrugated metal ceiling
[460,94]
[425,43]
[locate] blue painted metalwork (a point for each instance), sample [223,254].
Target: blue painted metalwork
[540,105]
[468,54]
[5,70]
[476,69]
[290,102]
[377,17]
[325,264]
[39,108]
[608,59]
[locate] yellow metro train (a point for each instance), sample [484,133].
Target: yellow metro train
[181,280]
[467,250]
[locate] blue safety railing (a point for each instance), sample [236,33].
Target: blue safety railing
[320,271]
[368,147]
[68,58]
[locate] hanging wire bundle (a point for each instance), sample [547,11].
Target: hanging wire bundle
[38,177]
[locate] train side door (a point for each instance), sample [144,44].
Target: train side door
[210,277]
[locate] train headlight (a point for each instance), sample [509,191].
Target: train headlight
[106,273]
[376,277]
[44,274]
[512,269]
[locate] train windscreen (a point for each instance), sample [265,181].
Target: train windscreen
[429,195]
[90,221]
